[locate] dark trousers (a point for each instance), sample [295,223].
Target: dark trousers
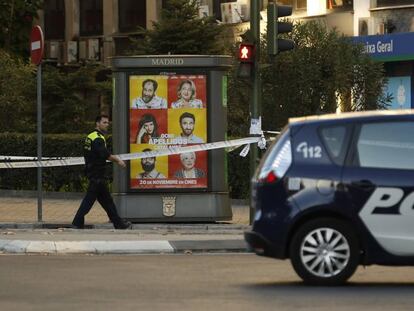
[97,190]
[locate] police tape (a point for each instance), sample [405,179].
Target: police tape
[21,158]
[168,150]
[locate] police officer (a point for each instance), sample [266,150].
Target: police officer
[96,154]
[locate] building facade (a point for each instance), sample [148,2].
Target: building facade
[384,27]
[93,30]
[80,30]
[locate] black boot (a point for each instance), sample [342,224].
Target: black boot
[124,225]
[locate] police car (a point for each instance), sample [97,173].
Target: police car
[337,191]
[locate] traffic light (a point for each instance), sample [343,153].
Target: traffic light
[246,52]
[246,58]
[274,28]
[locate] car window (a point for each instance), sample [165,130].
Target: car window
[334,139]
[386,145]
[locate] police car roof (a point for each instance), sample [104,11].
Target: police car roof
[347,116]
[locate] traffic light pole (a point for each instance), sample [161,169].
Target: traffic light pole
[255,101]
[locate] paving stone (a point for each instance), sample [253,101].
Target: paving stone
[132,247]
[47,247]
[71,247]
[16,246]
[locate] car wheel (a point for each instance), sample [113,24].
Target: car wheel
[324,251]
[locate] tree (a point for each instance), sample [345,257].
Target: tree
[180,31]
[17,94]
[72,99]
[324,68]
[16,19]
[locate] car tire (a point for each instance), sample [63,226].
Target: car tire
[325,251]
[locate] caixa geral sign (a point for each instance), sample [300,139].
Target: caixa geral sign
[389,47]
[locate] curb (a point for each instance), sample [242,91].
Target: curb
[120,247]
[135,226]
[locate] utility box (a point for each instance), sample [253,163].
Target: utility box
[163,101]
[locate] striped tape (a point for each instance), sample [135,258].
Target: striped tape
[23,158]
[127,156]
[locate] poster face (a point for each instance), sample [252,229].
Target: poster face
[166,110]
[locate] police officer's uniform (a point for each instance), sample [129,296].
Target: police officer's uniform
[96,154]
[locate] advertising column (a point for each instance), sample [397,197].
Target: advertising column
[163,102]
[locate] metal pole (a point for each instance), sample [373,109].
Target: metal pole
[39,142]
[256,85]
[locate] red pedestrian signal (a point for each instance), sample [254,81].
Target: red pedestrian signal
[246,52]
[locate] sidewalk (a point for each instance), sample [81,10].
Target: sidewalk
[61,211]
[21,233]
[140,240]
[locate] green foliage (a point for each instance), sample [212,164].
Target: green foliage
[238,175]
[180,31]
[68,178]
[323,68]
[71,98]
[16,19]
[17,94]
[68,98]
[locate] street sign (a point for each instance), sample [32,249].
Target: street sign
[36,45]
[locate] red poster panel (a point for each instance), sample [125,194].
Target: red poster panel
[187,91]
[168,111]
[146,126]
[190,169]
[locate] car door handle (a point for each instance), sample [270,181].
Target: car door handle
[365,184]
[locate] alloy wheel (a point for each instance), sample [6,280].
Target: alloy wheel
[325,252]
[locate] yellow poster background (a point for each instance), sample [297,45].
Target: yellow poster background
[161,163]
[200,125]
[135,86]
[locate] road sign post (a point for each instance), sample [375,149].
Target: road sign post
[36,54]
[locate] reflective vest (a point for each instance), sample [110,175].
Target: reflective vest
[90,138]
[96,154]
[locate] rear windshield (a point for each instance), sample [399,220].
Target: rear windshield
[268,159]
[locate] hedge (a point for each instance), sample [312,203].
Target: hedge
[238,175]
[71,178]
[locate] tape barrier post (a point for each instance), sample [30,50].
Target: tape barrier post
[39,143]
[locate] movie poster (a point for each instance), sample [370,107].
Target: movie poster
[168,111]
